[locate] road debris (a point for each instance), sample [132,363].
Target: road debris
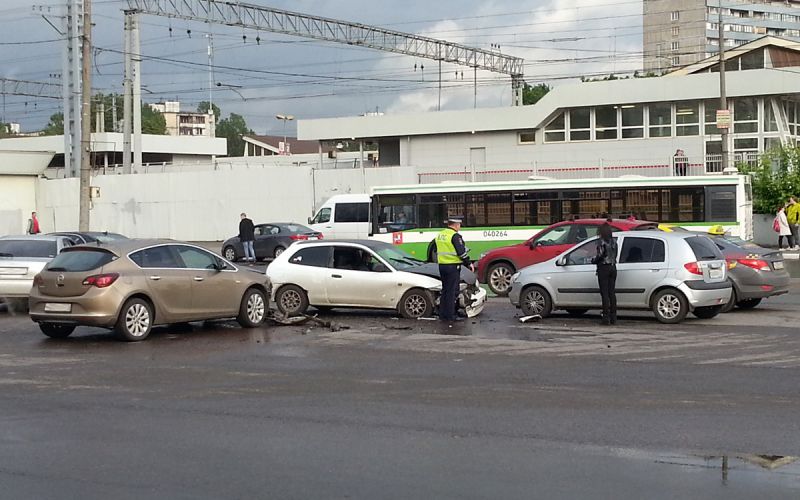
[303,319]
[534,318]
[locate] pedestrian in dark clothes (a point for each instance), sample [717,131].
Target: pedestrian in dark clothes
[606,261]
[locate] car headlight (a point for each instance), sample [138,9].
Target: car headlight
[515,278]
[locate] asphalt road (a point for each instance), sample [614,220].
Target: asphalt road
[390,408]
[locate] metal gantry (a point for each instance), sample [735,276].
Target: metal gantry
[9,86]
[268,19]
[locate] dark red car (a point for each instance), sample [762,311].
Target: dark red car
[496,267]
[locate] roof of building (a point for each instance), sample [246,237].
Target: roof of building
[735,52]
[112,141]
[604,93]
[272,142]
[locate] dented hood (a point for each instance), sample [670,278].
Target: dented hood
[432,270]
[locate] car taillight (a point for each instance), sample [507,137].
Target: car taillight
[101,280]
[694,268]
[298,237]
[319,236]
[38,280]
[731,263]
[757,264]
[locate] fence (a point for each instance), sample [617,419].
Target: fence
[600,169]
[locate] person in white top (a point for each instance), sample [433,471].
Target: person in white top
[783,228]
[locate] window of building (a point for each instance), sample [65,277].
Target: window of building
[605,122]
[745,115]
[675,45]
[580,124]
[632,121]
[555,130]
[746,144]
[687,118]
[675,15]
[660,120]
[676,61]
[710,116]
[676,31]
[770,123]
[753,60]
[527,137]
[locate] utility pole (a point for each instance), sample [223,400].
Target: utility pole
[723,100]
[86,117]
[127,95]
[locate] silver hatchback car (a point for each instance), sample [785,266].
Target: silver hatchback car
[670,273]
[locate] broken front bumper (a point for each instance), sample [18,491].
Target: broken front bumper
[472,300]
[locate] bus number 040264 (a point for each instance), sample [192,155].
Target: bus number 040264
[495,234]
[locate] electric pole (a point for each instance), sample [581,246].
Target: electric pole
[723,100]
[86,117]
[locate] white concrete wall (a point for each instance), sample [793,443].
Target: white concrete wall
[204,206]
[17,201]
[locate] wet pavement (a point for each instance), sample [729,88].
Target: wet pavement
[392,408]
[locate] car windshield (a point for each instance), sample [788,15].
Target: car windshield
[28,248]
[398,259]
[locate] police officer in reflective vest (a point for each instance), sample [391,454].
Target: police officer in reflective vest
[451,254]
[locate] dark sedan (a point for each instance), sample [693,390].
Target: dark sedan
[82,237]
[756,272]
[271,240]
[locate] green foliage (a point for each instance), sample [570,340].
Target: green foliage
[153,122]
[775,178]
[531,94]
[5,130]
[232,129]
[55,126]
[109,102]
[203,108]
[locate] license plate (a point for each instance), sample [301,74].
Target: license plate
[312,237]
[55,307]
[715,273]
[777,265]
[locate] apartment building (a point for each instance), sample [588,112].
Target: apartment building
[681,32]
[182,123]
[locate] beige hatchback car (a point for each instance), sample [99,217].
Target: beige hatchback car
[132,285]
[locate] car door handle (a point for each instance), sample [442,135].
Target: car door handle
[654,270]
[198,278]
[155,278]
[336,276]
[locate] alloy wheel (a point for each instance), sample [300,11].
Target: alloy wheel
[255,308]
[416,305]
[535,301]
[137,320]
[669,306]
[290,300]
[500,279]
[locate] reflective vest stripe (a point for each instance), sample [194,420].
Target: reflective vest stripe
[445,250]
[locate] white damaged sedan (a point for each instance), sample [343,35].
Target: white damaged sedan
[362,274]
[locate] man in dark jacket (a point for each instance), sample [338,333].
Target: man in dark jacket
[247,237]
[606,261]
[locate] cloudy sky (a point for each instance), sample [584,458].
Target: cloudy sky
[560,40]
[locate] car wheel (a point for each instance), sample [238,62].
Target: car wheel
[291,300]
[56,331]
[499,278]
[278,251]
[577,312]
[748,304]
[135,321]
[416,303]
[535,300]
[707,312]
[728,307]
[670,306]
[253,309]
[230,254]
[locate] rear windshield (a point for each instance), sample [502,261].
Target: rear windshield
[80,260]
[297,228]
[28,248]
[704,248]
[107,237]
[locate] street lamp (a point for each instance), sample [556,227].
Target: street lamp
[285,118]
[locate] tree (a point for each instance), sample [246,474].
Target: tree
[153,122]
[56,125]
[203,108]
[109,102]
[775,178]
[5,130]
[532,94]
[232,129]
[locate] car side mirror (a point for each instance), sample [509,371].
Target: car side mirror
[310,219]
[562,261]
[533,244]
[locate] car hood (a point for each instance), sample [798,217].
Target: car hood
[432,270]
